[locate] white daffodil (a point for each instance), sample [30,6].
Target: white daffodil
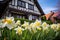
[25,25]
[18,22]
[37,23]
[35,26]
[33,30]
[45,24]
[10,18]
[54,26]
[46,28]
[19,30]
[30,27]
[31,24]
[8,22]
[58,26]
[1,25]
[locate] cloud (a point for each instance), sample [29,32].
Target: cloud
[48,9]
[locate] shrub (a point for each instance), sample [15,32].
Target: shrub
[22,20]
[43,18]
[47,21]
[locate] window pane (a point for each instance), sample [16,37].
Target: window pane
[31,7]
[21,3]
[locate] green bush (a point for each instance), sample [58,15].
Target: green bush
[43,18]
[47,21]
[22,20]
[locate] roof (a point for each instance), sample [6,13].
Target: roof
[39,7]
[57,15]
[48,15]
[53,15]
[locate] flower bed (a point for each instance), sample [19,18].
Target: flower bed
[11,30]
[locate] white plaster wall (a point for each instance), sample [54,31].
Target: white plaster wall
[15,2]
[26,5]
[12,2]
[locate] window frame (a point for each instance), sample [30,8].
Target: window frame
[22,2]
[30,7]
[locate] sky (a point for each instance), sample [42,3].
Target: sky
[48,5]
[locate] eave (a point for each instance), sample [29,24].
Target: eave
[39,7]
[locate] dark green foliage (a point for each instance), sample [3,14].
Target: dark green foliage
[22,20]
[43,18]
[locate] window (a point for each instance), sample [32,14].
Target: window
[21,4]
[34,17]
[30,6]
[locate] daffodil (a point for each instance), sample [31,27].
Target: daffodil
[8,22]
[19,30]
[25,25]
[1,25]
[37,23]
[45,24]
[35,26]
[46,28]
[31,24]
[18,22]
[54,26]
[33,30]
[58,26]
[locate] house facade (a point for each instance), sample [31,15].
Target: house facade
[27,9]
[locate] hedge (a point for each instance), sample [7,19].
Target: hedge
[22,20]
[30,21]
